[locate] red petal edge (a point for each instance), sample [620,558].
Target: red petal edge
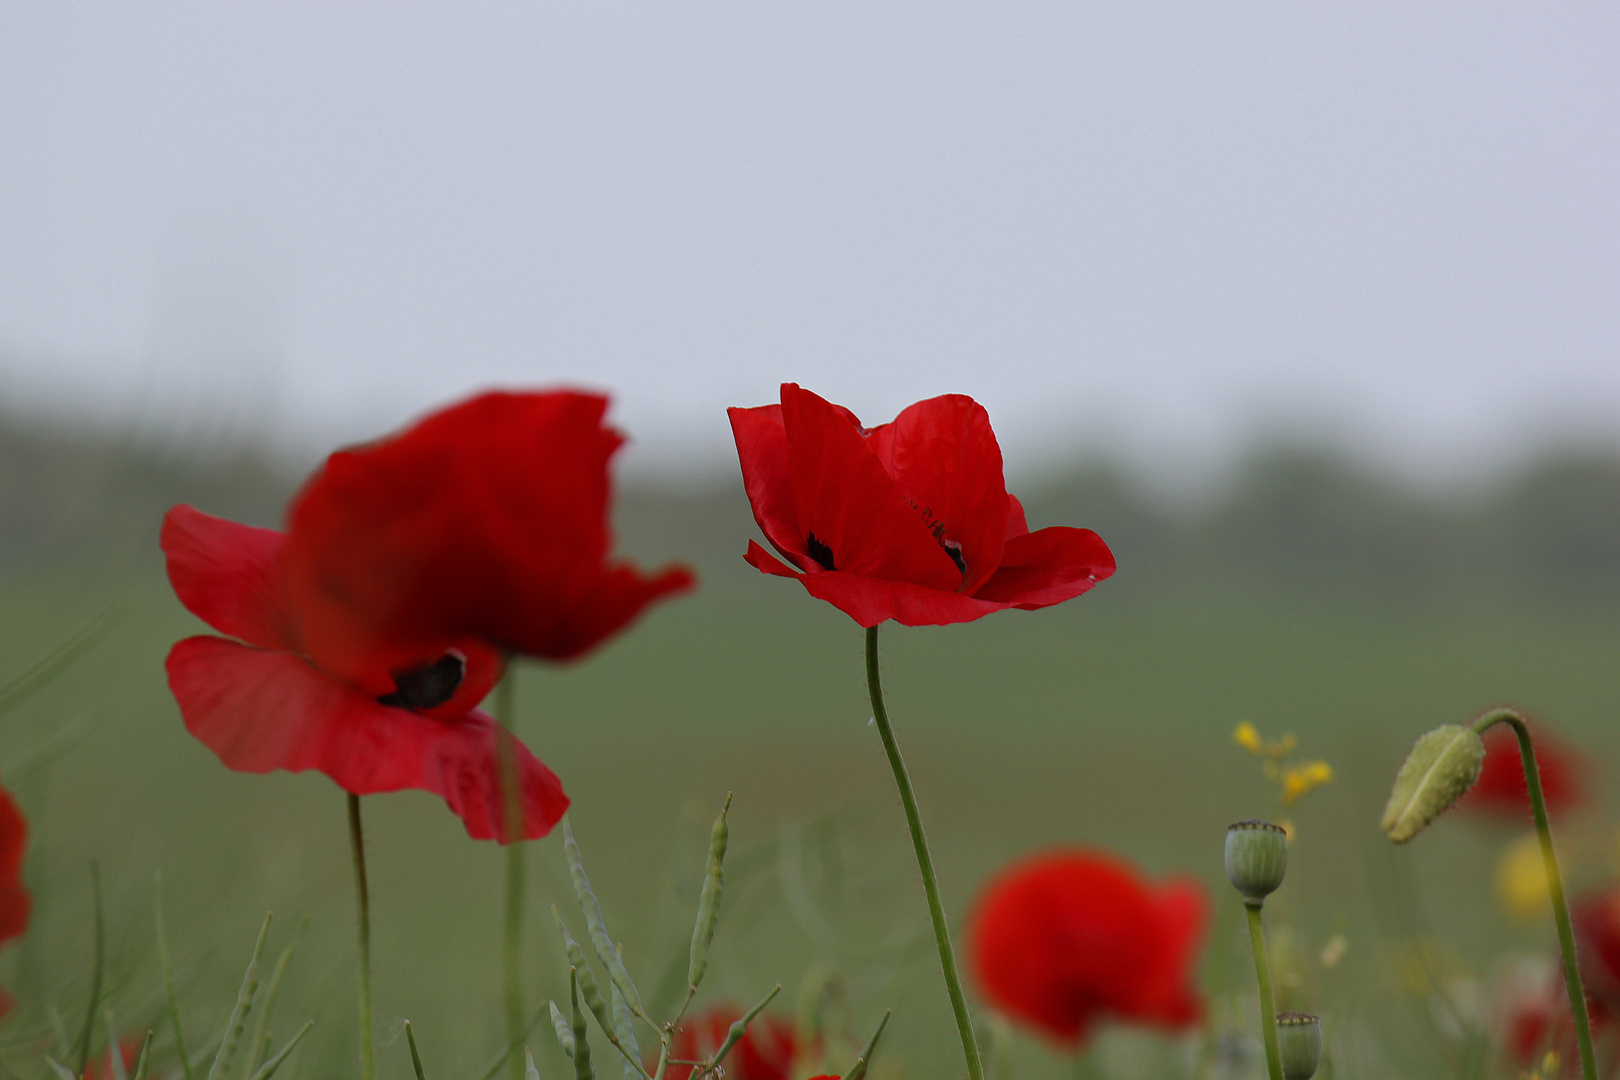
[228,575]
[259,710]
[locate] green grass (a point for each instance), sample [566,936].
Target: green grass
[1106,721]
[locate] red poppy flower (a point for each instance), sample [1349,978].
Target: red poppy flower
[14,899]
[1067,938]
[101,1066]
[908,521]
[1537,1016]
[765,1052]
[412,566]
[1500,788]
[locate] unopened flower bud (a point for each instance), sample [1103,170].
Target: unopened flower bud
[1440,769]
[1299,1043]
[1256,858]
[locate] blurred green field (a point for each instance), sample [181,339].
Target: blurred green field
[1106,721]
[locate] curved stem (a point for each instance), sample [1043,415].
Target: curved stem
[1268,1002]
[925,862]
[512,953]
[357,847]
[1555,882]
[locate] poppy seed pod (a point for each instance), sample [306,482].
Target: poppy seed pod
[1256,858]
[1441,768]
[1299,1043]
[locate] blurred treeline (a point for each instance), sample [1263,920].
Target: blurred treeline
[1290,519]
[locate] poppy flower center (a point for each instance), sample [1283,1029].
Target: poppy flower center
[427,686]
[819,552]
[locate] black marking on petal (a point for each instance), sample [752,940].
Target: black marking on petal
[820,552]
[954,550]
[427,685]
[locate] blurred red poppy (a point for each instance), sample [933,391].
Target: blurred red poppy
[15,902]
[766,1051]
[1537,1017]
[909,520]
[1068,938]
[1501,789]
[100,1067]
[412,566]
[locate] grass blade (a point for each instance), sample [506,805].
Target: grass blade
[140,1062]
[708,913]
[168,979]
[268,1069]
[857,1071]
[244,1003]
[115,1053]
[95,978]
[511,1047]
[605,950]
[30,682]
[416,1058]
[259,1045]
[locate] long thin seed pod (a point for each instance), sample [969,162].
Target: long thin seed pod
[168,980]
[1555,882]
[925,863]
[591,908]
[259,1045]
[268,1069]
[362,895]
[1268,1003]
[239,1012]
[95,978]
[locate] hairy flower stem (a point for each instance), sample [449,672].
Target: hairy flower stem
[512,953]
[925,861]
[357,847]
[1555,882]
[1268,1001]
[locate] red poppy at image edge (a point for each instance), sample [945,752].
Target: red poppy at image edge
[15,902]
[765,1052]
[1501,789]
[909,520]
[412,566]
[1065,939]
[1539,1021]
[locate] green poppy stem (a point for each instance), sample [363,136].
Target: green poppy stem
[925,862]
[357,847]
[1268,1001]
[1555,882]
[512,953]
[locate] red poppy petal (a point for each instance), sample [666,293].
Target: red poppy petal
[1170,997]
[596,608]
[766,563]
[850,504]
[870,600]
[260,710]
[1047,567]
[15,901]
[227,575]
[762,450]
[947,464]
[485,520]
[1017,524]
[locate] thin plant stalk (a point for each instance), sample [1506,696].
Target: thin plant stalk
[362,895]
[925,862]
[1268,1001]
[1555,882]
[512,797]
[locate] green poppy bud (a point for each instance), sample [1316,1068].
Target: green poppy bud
[1256,858]
[1299,1043]
[1440,769]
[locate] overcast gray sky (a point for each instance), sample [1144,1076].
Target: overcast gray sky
[1153,227]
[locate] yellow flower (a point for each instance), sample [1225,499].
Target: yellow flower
[1247,737]
[1521,878]
[1299,779]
